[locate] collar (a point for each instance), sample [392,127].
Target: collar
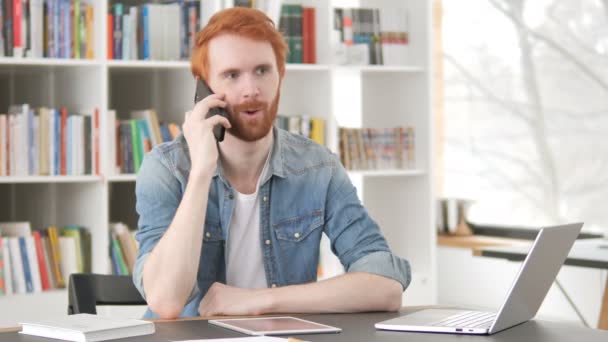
[276,159]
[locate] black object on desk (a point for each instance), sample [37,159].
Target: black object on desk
[87,290]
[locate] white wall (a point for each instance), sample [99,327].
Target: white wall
[464,279]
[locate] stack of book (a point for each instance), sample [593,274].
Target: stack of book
[123,249]
[373,36]
[377,148]
[131,139]
[41,260]
[47,28]
[313,128]
[48,141]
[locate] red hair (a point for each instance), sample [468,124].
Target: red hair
[246,22]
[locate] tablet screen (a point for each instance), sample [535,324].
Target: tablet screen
[274,325]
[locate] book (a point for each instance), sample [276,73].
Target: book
[15,229]
[87,328]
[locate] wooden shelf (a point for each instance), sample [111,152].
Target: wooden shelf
[476,241]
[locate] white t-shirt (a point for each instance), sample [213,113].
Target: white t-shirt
[244,264]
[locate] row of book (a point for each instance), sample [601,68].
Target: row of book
[132,138]
[313,128]
[377,148]
[48,141]
[41,260]
[47,28]
[298,25]
[374,36]
[163,31]
[152,31]
[123,248]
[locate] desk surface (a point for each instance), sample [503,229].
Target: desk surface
[359,328]
[585,253]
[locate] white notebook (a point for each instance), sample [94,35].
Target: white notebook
[87,328]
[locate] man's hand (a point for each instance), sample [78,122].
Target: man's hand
[224,300]
[198,132]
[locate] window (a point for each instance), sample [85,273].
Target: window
[525,113]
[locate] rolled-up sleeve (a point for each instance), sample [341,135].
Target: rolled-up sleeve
[384,264]
[355,237]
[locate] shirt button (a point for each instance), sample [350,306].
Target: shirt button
[231,196]
[274,285]
[264,198]
[267,242]
[208,235]
[296,235]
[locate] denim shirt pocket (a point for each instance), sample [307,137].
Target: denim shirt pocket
[296,229]
[298,240]
[212,256]
[213,231]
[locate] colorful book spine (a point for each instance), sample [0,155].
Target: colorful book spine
[29,284]
[56,255]
[44,276]
[2,286]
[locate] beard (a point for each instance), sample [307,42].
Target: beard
[256,127]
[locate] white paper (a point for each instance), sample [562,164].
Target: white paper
[241,339]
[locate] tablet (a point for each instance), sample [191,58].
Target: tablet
[274,326]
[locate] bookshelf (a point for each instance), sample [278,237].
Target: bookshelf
[343,95]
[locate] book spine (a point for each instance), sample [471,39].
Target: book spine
[29,286]
[2,286]
[56,256]
[17,266]
[33,264]
[8,275]
[44,276]
[17,28]
[8,28]
[145,14]
[63,141]
[110,36]
[119,256]
[136,144]
[90,31]
[118,10]
[76,28]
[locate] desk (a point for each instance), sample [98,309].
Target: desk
[592,253]
[360,328]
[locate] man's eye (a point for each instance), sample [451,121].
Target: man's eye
[231,75]
[261,71]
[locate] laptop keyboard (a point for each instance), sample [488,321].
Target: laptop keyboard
[468,319]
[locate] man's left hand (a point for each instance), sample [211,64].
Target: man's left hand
[224,300]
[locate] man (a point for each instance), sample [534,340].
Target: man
[233,228]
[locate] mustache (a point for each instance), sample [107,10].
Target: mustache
[250,106]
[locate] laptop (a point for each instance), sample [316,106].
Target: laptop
[537,273]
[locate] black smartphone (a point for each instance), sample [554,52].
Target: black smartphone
[202,91]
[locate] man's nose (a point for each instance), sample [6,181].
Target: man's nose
[251,89]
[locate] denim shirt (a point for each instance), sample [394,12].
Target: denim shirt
[306,192]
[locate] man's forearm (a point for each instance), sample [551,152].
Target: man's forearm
[171,268]
[351,292]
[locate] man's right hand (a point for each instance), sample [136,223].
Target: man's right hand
[198,132]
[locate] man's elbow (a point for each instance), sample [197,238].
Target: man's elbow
[393,300]
[165,309]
